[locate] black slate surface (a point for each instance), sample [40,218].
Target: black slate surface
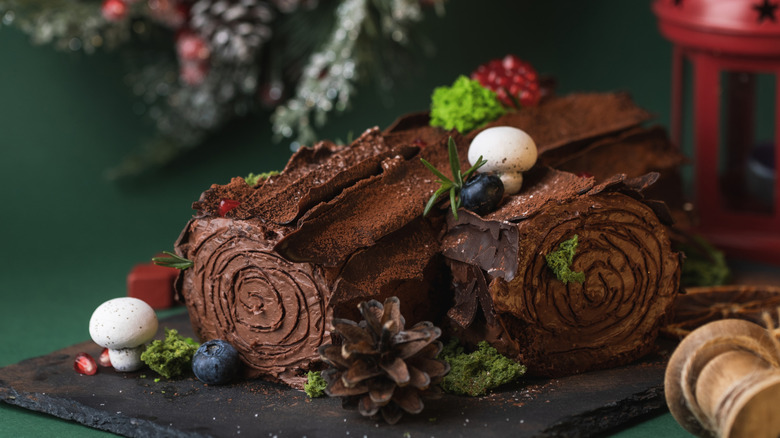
[134,405]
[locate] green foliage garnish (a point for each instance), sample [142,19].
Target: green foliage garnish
[252,179]
[561,259]
[448,185]
[172,261]
[476,373]
[464,106]
[171,357]
[704,265]
[315,384]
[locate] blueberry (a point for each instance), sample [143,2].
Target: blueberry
[482,193]
[216,362]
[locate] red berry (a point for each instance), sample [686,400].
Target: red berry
[191,47]
[226,205]
[85,364]
[513,80]
[104,360]
[114,10]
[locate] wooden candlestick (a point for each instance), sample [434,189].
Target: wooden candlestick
[723,380]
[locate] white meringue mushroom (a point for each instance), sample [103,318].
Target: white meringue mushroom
[508,151]
[123,325]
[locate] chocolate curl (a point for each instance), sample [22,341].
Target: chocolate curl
[556,329]
[272,311]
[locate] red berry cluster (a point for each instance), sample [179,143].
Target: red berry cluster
[193,53]
[514,81]
[192,50]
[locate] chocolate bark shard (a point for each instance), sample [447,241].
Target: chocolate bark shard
[542,185]
[621,183]
[571,120]
[284,199]
[634,152]
[470,294]
[366,212]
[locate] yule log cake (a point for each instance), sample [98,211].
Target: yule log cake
[274,262]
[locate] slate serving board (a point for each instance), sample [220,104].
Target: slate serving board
[134,405]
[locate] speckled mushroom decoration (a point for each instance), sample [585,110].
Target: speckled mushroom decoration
[123,325]
[508,151]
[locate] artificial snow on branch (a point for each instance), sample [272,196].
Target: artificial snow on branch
[195,65]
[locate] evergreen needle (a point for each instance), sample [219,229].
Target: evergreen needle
[454,187]
[172,261]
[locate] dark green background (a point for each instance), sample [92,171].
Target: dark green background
[69,237]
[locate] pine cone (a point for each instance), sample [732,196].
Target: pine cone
[235,29]
[385,368]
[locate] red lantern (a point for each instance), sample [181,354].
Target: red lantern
[732,48]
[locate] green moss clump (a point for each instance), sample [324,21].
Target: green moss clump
[252,179]
[476,373]
[464,106]
[561,259]
[171,357]
[703,264]
[315,384]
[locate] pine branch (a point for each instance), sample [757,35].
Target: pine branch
[69,25]
[330,75]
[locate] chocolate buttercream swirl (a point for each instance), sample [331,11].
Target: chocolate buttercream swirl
[272,311]
[613,317]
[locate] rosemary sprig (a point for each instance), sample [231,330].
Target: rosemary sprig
[448,185]
[172,261]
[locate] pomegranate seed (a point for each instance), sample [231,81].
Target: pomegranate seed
[85,364]
[104,360]
[585,175]
[419,142]
[226,205]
